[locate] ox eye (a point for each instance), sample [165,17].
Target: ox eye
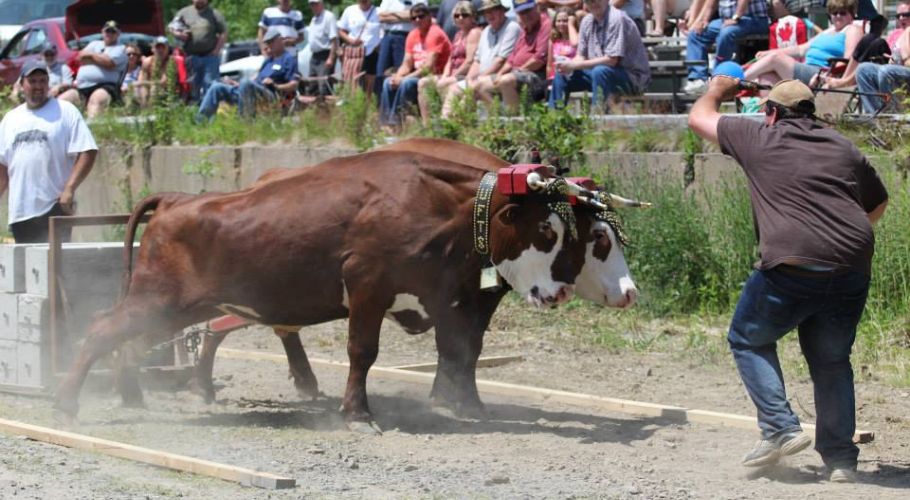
[600,235]
[547,230]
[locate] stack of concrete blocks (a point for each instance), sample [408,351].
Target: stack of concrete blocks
[90,277]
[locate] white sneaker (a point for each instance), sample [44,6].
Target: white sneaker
[695,87]
[843,475]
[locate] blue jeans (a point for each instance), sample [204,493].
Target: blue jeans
[600,80]
[392,100]
[205,73]
[391,54]
[724,37]
[244,96]
[871,77]
[826,310]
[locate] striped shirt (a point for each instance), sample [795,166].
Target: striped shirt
[290,23]
[757,8]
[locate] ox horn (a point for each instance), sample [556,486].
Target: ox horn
[535,181]
[592,198]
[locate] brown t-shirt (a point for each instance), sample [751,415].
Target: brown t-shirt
[811,190]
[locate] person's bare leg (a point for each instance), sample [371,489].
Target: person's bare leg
[483,89]
[659,9]
[454,92]
[507,86]
[422,103]
[71,96]
[97,103]
[779,64]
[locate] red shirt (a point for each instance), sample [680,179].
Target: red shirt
[531,45]
[435,41]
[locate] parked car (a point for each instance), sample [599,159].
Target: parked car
[140,21]
[248,67]
[238,50]
[14,14]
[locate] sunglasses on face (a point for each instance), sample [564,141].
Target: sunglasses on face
[902,15]
[461,16]
[132,54]
[418,17]
[840,13]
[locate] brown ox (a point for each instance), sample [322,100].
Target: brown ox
[604,279]
[369,236]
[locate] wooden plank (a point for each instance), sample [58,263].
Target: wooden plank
[246,477]
[483,362]
[551,395]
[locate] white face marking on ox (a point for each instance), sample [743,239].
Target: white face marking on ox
[606,282]
[242,311]
[531,273]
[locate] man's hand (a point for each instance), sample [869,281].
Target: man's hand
[330,62]
[396,80]
[67,201]
[724,87]
[566,67]
[268,82]
[730,22]
[357,42]
[699,25]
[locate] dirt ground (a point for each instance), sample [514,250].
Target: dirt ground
[523,450]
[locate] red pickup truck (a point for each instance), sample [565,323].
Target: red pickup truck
[140,21]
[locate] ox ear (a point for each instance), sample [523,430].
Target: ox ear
[509,214]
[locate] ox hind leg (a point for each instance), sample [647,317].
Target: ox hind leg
[459,341]
[108,332]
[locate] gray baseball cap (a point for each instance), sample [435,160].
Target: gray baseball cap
[32,66]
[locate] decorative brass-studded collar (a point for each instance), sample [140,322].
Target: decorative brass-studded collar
[482,213]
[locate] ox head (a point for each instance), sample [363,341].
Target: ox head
[604,278]
[533,238]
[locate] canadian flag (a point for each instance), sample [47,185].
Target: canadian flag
[787,32]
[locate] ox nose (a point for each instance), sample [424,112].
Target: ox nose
[561,296]
[628,298]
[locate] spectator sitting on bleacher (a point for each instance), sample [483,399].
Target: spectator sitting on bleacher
[289,22]
[102,64]
[427,50]
[277,74]
[738,18]
[526,65]
[780,8]
[563,40]
[611,58]
[153,77]
[840,38]
[872,77]
[394,16]
[661,10]
[133,67]
[496,43]
[464,48]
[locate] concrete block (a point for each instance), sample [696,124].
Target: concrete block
[31,364]
[86,268]
[9,316]
[9,362]
[12,267]
[34,317]
[167,167]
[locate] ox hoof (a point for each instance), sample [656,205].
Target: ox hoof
[309,393]
[206,393]
[472,411]
[369,428]
[65,410]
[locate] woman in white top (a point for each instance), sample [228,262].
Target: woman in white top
[359,25]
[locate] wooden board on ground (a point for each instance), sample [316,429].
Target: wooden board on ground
[676,413]
[173,461]
[483,362]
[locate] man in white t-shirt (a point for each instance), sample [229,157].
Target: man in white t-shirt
[323,41]
[46,151]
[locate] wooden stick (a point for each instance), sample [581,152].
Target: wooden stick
[483,362]
[173,461]
[544,395]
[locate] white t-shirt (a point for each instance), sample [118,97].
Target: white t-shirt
[495,44]
[39,148]
[393,6]
[352,19]
[322,31]
[90,75]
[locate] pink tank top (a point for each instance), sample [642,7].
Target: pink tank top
[561,49]
[459,51]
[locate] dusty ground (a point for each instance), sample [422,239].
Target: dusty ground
[523,450]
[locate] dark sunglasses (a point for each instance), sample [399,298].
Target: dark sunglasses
[418,17]
[902,15]
[465,16]
[131,54]
[840,13]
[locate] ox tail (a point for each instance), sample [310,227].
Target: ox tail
[146,204]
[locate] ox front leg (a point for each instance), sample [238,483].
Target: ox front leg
[299,365]
[363,347]
[458,342]
[201,384]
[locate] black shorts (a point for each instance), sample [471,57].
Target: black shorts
[36,229]
[370,62]
[111,89]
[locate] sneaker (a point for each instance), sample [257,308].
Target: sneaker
[769,451]
[695,87]
[843,475]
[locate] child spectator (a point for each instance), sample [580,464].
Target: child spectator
[563,40]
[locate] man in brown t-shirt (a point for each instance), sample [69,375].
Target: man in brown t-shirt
[814,200]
